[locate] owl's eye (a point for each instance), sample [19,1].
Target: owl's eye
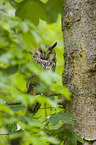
[41,50]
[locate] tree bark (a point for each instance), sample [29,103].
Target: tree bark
[79,73]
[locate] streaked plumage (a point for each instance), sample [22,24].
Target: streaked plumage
[47,60]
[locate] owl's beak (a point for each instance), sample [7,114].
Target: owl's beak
[53,45]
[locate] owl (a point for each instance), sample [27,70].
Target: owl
[47,60]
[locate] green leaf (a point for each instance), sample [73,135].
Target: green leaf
[41,88]
[50,139]
[24,27]
[52,103]
[16,108]
[3,42]
[19,80]
[53,8]
[9,70]
[12,127]
[36,36]
[6,109]
[32,39]
[5,58]
[13,3]
[46,77]
[72,138]
[61,90]
[64,117]
[80,139]
[32,10]
[35,68]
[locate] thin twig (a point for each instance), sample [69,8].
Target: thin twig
[9,132]
[12,102]
[45,125]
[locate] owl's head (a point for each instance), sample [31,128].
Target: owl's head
[47,59]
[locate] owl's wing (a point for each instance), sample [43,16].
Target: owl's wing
[31,90]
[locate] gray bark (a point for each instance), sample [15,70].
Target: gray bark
[79,73]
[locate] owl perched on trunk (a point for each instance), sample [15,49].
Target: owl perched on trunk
[47,60]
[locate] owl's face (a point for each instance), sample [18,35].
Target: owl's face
[47,59]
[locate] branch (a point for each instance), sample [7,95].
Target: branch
[19,102]
[12,102]
[9,132]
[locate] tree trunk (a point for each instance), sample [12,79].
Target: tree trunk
[79,73]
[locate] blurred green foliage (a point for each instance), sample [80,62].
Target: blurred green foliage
[24,25]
